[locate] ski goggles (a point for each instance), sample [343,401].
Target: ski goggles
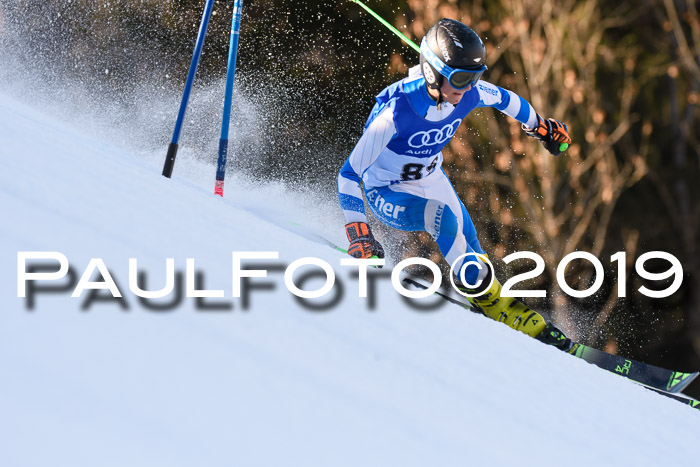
[458,78]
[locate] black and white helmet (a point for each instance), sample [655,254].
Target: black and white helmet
[452,50]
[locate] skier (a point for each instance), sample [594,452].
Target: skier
[399,158]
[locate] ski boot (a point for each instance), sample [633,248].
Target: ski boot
[514,313]
[551,335]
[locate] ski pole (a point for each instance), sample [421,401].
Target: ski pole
[172,148]
[389,26]
[230,72]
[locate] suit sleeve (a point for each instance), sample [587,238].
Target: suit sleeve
[375,138]
[506,102]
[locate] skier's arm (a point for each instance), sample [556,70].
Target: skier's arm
[375,138]
[553,134]
[506,102]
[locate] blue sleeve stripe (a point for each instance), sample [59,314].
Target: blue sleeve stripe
[348,172]
[524,113]
[505,100]
[348,202]
[351,203]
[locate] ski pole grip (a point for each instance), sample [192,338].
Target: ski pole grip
[170,160]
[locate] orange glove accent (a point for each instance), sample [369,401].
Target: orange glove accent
[362,242]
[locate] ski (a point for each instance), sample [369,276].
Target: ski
[661,380]
[653,377]
[687,400]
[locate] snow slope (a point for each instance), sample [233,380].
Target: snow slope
[276,384]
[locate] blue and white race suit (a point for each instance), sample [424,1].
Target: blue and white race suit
[398,159]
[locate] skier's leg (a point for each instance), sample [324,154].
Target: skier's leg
[431,206]
[508,309]
[456,235]
[413,211]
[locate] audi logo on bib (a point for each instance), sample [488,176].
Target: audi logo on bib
[435,136]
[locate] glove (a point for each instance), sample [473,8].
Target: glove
[362,242]
[553,134]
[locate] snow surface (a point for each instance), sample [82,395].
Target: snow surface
[277,384]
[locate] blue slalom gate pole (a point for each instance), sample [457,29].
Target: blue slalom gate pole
[172,148]
[230,72]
